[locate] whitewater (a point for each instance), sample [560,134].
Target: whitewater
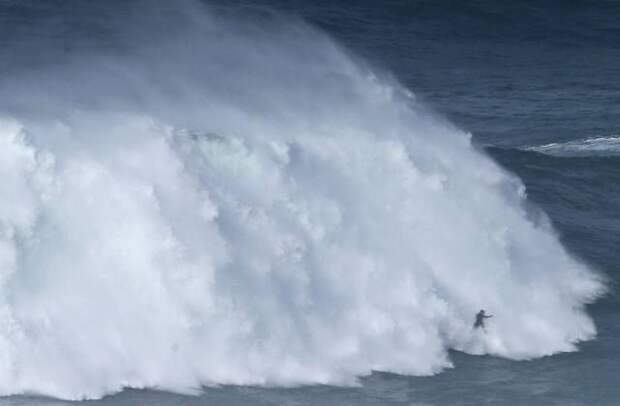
[239,200]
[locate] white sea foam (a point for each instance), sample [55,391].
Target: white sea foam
[594,146]
[247,205]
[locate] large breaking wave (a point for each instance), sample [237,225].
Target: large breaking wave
[239,201]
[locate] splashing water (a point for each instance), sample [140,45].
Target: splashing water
[236,204]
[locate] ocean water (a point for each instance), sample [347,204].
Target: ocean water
[306,203]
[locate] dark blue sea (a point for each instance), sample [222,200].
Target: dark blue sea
[535,84]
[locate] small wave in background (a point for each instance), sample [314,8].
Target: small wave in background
[588,147]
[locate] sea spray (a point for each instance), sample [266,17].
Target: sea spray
[231,200]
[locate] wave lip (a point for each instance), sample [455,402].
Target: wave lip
[594,146]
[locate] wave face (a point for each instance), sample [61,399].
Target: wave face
[589,147]
[239,201]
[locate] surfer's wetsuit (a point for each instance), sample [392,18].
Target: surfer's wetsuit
[479,323]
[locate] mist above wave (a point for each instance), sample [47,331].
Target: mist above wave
[239,201]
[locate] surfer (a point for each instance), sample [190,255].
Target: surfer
[479,323]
